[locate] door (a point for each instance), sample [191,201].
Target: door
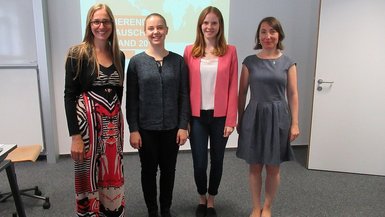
[348,120]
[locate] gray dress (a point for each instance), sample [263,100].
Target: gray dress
[265,125]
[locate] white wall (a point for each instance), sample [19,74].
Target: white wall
[299,19]
[65,31]
[19,90]
[20,114]
[17,33]
[24,46]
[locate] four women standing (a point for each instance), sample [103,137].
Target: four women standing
[213,75]
[160,87]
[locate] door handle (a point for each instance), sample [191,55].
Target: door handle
[320,81]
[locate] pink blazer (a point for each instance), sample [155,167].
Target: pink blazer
[226,90]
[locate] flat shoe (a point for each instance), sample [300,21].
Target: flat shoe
[211,212]
[201,210]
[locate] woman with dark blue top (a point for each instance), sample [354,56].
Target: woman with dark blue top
[158,112]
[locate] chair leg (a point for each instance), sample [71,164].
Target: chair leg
[35,189]
[5,196]
[37,195]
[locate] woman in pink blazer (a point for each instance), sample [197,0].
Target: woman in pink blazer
[213,75]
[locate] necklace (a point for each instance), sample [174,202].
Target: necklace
[270,57]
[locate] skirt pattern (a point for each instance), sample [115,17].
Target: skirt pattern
[99,179]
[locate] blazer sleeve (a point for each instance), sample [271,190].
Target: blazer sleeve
[132,97]
[72,90]
[231,117]
[184,97]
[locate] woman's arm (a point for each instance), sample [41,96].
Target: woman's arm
[184,97]
[292,97]
[132,105]
[243,87]
[231,116]
[72,91]
[132,97]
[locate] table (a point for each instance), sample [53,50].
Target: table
[9,167]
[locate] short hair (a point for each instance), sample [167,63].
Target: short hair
[276,25]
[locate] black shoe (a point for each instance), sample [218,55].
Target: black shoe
[211,212]
[167,214]
[201,210]
[153,214]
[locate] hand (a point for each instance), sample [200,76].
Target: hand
[294,132]
[135,140]
[77,148]
[238,128]
[181,137]
[227,131]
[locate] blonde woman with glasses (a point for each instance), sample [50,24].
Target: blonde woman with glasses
[93,93]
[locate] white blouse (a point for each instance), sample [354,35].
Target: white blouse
[208,68]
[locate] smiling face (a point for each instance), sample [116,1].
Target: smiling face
[268,36]
[156,30]
[210,26]
[101,25]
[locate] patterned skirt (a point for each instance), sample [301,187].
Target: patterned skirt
[99,179]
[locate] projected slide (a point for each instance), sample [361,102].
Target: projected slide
[181,16]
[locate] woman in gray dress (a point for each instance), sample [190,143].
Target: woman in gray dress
[270,121]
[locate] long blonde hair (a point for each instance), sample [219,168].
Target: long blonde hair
[86,50]
[199,46]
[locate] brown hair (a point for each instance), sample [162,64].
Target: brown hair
[276,25]
[199,46]
[155,15]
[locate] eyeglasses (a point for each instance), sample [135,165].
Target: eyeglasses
[98,22]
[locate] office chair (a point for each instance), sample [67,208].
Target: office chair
[22,154]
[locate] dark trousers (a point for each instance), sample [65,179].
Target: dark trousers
[204,128]
[159,148]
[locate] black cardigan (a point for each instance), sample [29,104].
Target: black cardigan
[74,87]
[157,98]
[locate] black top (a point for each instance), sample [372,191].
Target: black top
[82,83]
[157,94]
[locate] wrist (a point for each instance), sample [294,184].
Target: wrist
[76,137]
